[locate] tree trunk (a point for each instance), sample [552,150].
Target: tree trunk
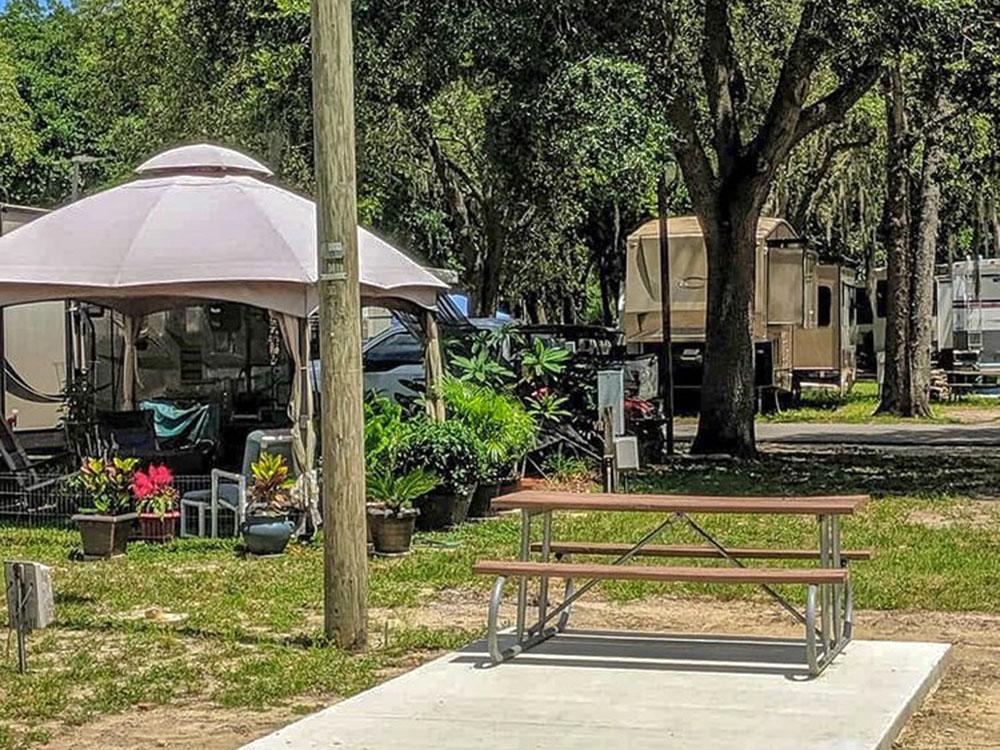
[489,271]
[726,422]
[922,281]
[896,386]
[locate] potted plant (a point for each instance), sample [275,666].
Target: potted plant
[156,501]
[266,528]
[504,429]
[106,516]
[451,451]
[393,516]
[384,429]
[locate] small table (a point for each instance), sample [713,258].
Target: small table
[835,598]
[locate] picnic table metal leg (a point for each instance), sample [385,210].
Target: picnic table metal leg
[811,656]
[836,562]
[543,586]
[825,594]
[522,584]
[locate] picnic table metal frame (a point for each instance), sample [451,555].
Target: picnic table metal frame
[829,612]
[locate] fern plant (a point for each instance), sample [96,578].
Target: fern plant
[503,427]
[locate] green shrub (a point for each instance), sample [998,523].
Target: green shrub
[501,424]
[384,430]
[448,449]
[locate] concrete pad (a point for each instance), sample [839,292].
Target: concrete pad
[590,689]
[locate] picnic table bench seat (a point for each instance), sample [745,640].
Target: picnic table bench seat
[662,573]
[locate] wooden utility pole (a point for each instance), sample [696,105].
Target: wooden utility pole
[345,564]
[666,379]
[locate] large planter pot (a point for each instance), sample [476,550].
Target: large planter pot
[267,535]
[482,499]
[155,528]
[104,536]
[393,534]
[375,513]
[442,510]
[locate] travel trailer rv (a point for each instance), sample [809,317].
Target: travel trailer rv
[34,346]
[823,355]
[969,316]
[785,299]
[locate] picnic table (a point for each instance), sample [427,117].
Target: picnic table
[828,615]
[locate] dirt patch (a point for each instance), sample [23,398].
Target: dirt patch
[175,728]
[975,514]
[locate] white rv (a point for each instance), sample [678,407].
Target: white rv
[968,328]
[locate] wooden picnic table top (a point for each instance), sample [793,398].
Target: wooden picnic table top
[541,500]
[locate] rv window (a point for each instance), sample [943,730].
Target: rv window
[881,297]
[825,313]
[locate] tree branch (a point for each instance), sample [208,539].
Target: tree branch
[835,105]
[690,153]
[776,136]
[723,82]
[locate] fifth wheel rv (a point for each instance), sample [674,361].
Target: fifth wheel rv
[792,347]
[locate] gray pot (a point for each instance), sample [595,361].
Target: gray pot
[104,536]
[267,535]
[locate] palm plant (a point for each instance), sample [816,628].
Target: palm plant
[398,491]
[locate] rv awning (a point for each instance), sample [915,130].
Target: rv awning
[201,223]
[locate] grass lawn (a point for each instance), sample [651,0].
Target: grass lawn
[858,407]
[194,621]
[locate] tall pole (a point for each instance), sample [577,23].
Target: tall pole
[345,565]
[666,379]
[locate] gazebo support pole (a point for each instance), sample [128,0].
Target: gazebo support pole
[3,364]
[345,565]
[130,331]
[433,366]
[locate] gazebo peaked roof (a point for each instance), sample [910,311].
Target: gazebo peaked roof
[200,223]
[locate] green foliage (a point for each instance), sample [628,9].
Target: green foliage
[398,490]
[449,450]
[548,407]
[481,368]
[502,427]
[107,483]
[384,430]
[541,361]
[270,483]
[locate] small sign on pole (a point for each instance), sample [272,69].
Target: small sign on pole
[30,605]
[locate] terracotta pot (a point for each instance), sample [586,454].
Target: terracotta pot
[442,510]
[155,528]
[511,485]
[104,536]
[394,534]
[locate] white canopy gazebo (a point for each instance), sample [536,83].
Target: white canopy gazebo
[202,223]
